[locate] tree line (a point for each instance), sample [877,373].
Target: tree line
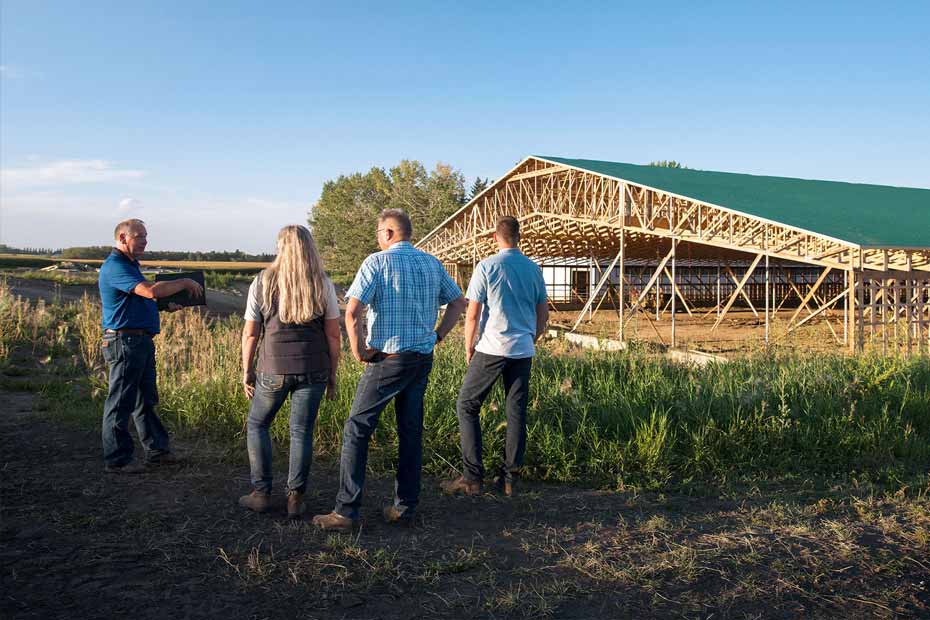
[344,219]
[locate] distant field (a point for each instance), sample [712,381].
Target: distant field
[26,260]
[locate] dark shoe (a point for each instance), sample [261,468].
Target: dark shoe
[165,458]
[461,486]
[394,516]
[334,522]
[255,501]
[507,487]
[127,469]
[295,505]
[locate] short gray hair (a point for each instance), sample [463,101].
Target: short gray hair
[126,226]
[405,227]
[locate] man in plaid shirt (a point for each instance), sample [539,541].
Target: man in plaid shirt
[403,289]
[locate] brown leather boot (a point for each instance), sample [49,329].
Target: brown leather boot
[507,487]
[461,486]
[127,470]
[295,504]
[334,522]
[256,501]
[394,516]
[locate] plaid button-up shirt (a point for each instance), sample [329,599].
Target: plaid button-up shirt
[403,289]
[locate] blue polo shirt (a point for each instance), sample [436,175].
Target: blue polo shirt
[123,309]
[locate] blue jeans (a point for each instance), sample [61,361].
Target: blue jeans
[270,392]
[132,392]
[401,378]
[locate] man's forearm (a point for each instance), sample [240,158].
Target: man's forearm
[353,329]
[166,288]
[542,319]
[471,330]
[453,311]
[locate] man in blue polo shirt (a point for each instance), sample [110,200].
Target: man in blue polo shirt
[508,293]
[403,289]
[130,320]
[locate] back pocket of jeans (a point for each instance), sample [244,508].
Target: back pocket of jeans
[271,382]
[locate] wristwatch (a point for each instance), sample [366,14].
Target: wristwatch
[438,337]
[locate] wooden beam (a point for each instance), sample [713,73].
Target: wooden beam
[739,288]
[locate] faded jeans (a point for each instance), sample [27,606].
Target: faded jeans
[270,393]
[132,393]
[403,379]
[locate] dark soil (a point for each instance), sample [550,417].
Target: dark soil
[172,543]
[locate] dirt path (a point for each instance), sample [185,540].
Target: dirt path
[78,543]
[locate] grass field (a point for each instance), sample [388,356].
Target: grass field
[770,487]
[605,419]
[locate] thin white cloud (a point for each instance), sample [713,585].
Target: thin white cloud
[127,204]
[65,172]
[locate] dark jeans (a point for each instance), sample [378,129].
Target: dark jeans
[270,392]
[132,393]
[482,372]
[402,378]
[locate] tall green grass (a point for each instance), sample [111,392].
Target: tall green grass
[602,418]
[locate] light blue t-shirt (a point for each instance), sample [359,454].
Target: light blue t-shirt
[510,286]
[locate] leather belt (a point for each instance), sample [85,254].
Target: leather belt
[128,332]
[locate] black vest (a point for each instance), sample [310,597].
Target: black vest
[291,348]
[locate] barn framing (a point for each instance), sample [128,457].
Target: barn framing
[612,215]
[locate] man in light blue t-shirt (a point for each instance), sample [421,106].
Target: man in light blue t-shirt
[508,294]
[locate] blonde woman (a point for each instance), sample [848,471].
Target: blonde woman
[293,305]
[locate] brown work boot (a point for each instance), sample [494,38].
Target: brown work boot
[507,487]
[334,522]
[256,501]
[461,486]
[295,504]
[127,469]
[394,516]
[165,458]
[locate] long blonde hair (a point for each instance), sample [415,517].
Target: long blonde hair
[295,282]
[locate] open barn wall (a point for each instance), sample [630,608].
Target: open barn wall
[571,213]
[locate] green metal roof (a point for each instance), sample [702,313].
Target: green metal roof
[868,215]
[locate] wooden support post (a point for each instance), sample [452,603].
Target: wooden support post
[718,289]
[605,276]
[622,275]
[859,285]
[766,300]
[810,293]
[846,303]
[742,292]
[674,288]
[739,289]
[652,280]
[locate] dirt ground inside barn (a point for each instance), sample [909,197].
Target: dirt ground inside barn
[739,333]
[78,543]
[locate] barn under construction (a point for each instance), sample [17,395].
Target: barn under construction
[688,252]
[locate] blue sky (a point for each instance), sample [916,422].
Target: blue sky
[218,122]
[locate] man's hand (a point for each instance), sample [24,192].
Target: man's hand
[364,356]
[193,288]
[469,353]
[332,388]
[248,383]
